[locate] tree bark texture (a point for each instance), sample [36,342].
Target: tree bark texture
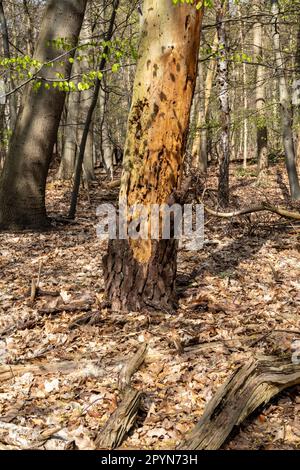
[141,273]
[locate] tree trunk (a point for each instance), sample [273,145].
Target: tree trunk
[260,99]
[245,98]
[199,148]
[297,66]
[86,98]
[106,147]
[286,108]
[23,181]
[68,158]
[141,273]
[30,29]
[6,51]
[223,187]
[89,117]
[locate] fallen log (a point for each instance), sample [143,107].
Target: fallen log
[250,386]
[259,208]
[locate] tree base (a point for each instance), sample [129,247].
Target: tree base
[13,222]
[135,286]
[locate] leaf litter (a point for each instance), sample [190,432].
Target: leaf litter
[239,297]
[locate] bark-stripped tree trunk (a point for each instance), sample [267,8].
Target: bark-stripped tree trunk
[286,107]
[23,181]
[223,187]
[260,98]
[141,273]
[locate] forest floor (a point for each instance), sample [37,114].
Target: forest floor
[239,297]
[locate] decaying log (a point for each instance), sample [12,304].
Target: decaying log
[120,422]
[250,386]
[131,367]
[8,372]
[259,208]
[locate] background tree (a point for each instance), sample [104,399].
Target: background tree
[23,180]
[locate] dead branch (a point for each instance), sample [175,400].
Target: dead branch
[65,308]
[250,386]
[123,418]
[131,367]
[120,422]
[262,207]
[8,372]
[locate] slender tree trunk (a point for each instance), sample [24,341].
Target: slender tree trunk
[141,273]
[286,108]
[23,181]
[106,147]
[199,148]
[223,188]
[297,66]
[6,51]
[86,98]
[68,158]
[30,29]
[89,117]
[260,99]
[245,98]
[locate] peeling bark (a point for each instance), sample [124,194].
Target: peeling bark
[141,273]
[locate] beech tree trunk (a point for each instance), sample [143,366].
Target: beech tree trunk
[141,273]
[23,180]
[286,108]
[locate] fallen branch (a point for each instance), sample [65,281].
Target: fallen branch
[131,367]
[8,372]
[120,422]
[123,418]
[113,184]
[65,308]
[252,209]
[249,387]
